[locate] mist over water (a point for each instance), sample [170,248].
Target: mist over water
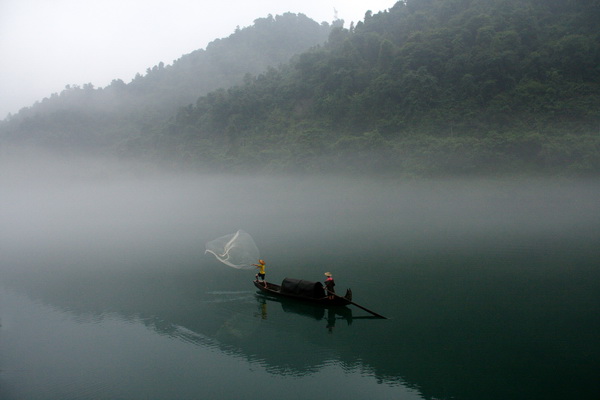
[491,285]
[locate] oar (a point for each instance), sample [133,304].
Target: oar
[357,305]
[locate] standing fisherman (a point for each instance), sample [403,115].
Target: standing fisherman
[261,272]
[330,286]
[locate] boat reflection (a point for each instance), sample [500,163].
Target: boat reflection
[313,311]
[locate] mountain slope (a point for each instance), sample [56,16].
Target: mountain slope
[432,86]
[100,118]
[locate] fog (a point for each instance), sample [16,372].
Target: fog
[103,272]
[57,213]
[48,45]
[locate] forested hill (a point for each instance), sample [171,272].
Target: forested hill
[428,87]
[84,117]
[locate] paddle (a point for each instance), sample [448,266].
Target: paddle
[357,305]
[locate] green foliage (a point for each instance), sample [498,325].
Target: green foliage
[463,86]
[429,87]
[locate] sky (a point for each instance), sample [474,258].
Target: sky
[48,44]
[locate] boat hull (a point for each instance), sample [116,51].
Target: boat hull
[274,290]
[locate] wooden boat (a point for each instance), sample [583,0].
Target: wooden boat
[303,290]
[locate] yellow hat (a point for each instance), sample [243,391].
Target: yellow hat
[327,273]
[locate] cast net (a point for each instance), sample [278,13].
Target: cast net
[237,250]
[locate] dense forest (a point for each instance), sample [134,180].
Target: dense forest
[429,87]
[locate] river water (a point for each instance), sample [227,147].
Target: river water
[491,288]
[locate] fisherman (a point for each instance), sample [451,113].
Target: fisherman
[330,286]
[261,272]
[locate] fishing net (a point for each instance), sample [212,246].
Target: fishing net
[237,250]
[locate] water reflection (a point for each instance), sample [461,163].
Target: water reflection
[313,311]
[448,323]
[286,337]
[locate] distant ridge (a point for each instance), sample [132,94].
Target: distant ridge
[99,118]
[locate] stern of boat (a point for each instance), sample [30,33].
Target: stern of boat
[348,295]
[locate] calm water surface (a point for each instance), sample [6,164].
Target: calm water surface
[492,289]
